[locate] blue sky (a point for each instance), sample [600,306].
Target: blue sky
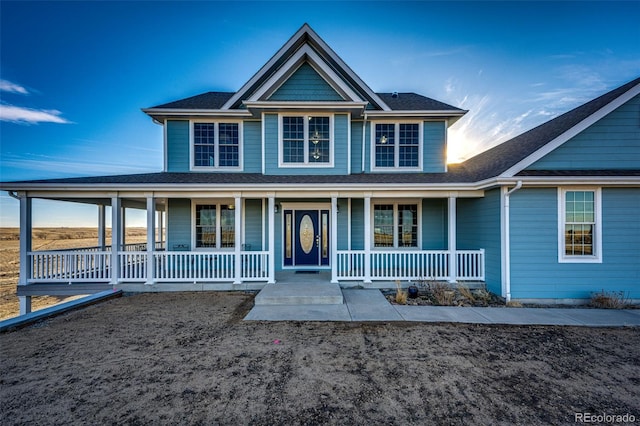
[74,75]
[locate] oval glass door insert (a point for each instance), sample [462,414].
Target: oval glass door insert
[307,234]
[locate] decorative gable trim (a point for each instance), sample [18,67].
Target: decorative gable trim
[572,132]
[305,36]
[308,55]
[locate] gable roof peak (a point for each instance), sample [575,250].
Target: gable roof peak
[305,36]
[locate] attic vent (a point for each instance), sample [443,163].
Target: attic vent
[394,95]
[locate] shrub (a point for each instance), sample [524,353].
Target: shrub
[442,293]
[401,296]
[609,299]
[466,293]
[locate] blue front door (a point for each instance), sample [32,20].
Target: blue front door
[306,238]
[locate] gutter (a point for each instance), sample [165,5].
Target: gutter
[507,242]
[13,194]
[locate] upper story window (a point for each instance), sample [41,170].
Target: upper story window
[306,140]
[580,226]
[216,145]
[397,146]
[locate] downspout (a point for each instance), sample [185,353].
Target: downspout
[13,194]
[507,241]
[364,132]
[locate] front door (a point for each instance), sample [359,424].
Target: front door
[306,238]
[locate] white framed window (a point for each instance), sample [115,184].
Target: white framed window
[216,145]
[213,225]
[396,146]
[396,225]
[306,140]
[579,225]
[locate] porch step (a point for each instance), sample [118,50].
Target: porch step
[300,294]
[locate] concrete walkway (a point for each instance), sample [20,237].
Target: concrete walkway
[371,305]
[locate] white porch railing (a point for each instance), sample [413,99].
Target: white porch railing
[198,266]
[410,265]
[70,266]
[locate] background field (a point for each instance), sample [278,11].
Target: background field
[43,239]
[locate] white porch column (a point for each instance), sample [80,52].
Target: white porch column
[367,240]
[334,240]
[238,242]
[123,226]
[160,226]
[116,233]
[151,238]
[102,233]
[271,215]
[453,258]
[26,225]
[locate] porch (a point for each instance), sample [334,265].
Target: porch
[354,239]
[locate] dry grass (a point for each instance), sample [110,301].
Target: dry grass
[610,300]
[43,239]
[466,293]
[401,295]
[442,293]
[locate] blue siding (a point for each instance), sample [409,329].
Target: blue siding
[611,143]
[343,224]
[177,146]
[305,84]
[179,224]
[357,224]
[434,149]
[252,152]
[536,272]
[434,224]
[253,225]
[478,226]
[356,147]
[341,141]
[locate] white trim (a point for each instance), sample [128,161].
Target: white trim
[348,223]
[216,144]
[396,155]
[168,113]
[395,202]
[218,202]
[597,243]
[272,238]
[452,238]
[302,55]
[426,114]
[572,132]
[306,163]
[325,49]
[165,145]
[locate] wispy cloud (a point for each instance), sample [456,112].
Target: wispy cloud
[25,115]
[16,114]
[7,86]
[52,166]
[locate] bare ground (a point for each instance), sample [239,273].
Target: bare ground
[43,239]
[188,358]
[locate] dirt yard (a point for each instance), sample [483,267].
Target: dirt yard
[43,239]
[188,358]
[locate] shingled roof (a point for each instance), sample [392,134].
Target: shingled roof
[395,101]
[497,160]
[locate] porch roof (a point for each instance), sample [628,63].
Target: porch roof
[455,175]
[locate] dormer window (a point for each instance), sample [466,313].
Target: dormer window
[216,145]
[306,140]
[397,146]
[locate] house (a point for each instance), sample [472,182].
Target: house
[306,168]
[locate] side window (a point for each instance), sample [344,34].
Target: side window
[580,226]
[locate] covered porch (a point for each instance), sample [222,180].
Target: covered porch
[365,243]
